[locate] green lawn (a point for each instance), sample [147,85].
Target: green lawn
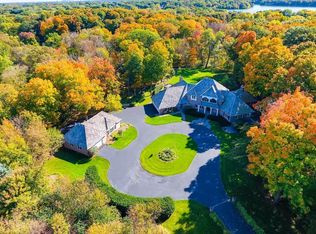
[195,75]
[249,190]
[191,75]
[144,100]
[163,119]
[74,165]
[140,99]
[122,140]
[184,148]
[191,217]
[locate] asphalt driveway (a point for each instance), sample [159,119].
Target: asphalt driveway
[201,182]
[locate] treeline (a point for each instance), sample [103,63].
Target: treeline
[170,4]
[301,3]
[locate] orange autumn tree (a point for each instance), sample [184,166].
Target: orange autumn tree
[283,148]
[102,73]
[245,37]
[78,95]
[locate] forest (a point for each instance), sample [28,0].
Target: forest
[60,63]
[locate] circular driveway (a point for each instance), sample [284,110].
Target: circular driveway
[201,182]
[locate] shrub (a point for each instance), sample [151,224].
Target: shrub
[124,201]
[249,219]
[167,155]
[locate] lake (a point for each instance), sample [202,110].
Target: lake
[257,8]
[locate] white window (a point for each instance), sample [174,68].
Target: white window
[193,97]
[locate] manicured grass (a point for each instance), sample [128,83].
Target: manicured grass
[249,190]
[191,217]
[122,140]
[184,148]
[73,165]
[140,99]
[191,75]
[163,119]
[145,100]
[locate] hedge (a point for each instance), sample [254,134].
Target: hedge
[124,201]
[249,219]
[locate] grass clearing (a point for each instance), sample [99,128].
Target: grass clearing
[191,76]
[123,139]
[74,165]
[163,119]
[193,218]
[184,148]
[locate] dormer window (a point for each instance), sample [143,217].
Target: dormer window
[213,100]
[193,97]
[204,99]
[209,99]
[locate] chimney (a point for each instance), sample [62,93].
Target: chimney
[106,124]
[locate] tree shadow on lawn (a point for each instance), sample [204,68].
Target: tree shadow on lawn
[72,157]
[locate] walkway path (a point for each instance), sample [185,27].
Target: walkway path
[201,182]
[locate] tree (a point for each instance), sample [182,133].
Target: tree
[78,95]
[208,42]
[8,99]
[53,40]
[59,224]
[143,216]
[156,63]
[40,96]
[133,66]
[112,103]
[245,37]
[263,59]
[111,227]
[297,35]
[283,148]
[15,75]
[102,72]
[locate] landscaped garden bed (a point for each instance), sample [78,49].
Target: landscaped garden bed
[169,154]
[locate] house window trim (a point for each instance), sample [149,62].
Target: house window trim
[193,97]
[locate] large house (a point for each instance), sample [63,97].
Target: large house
[208,97]
[91,134]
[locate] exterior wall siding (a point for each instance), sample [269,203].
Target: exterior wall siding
[76,149]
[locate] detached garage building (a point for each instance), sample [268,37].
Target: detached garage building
[91,134]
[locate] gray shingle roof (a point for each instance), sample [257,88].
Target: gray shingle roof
[245,96]
[170,97]
[207,87]
[233,105]
[85,135]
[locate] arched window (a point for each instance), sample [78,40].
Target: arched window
[213,100]
[204,99]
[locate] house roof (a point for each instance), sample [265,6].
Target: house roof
[233,105]
[208,87]
[244,95]
[88,133]
[170,97]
